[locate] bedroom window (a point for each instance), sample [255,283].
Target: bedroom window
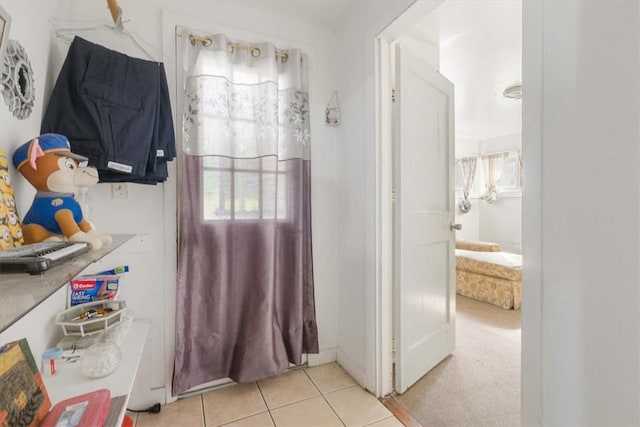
[243,189]
[510,178]
[507,178]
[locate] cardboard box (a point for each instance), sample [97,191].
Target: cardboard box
[94,288]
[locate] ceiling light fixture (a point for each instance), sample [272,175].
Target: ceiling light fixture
[513,92]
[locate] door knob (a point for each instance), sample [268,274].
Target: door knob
[456,227]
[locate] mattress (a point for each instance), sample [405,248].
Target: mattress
[475,245]
[502,265]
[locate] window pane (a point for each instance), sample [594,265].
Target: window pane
[274,202]
[283,191]
[270,163]
[509,177]
[216,162]
[269,196]
[216,194]
[247,195]
[247,164]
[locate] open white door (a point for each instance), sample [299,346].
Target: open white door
[424,278]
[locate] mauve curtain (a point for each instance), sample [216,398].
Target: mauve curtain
[245,302]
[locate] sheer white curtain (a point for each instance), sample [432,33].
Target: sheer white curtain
[492,165]
[246,103]
[467,167]
[245,304]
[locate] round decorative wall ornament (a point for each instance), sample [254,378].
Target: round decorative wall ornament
[464,205]
[17,81]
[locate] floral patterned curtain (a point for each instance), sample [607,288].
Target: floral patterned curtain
[467,167]
[246,103]
[493,165]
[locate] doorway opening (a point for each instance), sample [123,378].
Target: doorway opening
[478,46]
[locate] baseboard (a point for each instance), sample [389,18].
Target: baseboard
[147,399]
[353,368]
[325,356]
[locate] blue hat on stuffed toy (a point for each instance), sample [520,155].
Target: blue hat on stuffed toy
[46,143]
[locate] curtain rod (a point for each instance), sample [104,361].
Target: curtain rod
[255,52]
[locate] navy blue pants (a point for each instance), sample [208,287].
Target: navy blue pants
[115,110]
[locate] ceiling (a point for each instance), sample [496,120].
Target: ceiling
[328,13]
[481,53]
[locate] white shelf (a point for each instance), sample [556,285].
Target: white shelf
[69,381]
[21,292]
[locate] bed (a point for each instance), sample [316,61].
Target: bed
[485,273]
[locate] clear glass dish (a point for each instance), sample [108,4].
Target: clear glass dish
[100,360]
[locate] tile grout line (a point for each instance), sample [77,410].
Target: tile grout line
[204,414]
[295,401]
[324,398]
[380,403]
[265,404]
[392,415]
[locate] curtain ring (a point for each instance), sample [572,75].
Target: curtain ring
[205,42]
[230,47]
[284,57]
[255,52]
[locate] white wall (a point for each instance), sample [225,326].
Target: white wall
[150,211]
[31,30]
[356,168]
[581,211]
[501,222]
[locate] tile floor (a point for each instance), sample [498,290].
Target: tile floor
[320,396]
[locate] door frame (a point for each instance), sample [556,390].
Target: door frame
[383,79]
[532,137]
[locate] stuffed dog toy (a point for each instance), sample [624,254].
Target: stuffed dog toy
[49,165]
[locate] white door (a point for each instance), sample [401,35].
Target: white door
[424,277]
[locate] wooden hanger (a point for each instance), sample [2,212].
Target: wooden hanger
[66,34]
[116,13]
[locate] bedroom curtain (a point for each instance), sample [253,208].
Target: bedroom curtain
[493,165]
[244,302]
[467,167]
[520,164]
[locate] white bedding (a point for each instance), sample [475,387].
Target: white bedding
[500,258]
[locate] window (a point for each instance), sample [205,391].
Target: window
[510,176]
[243,189]
[509,181]
[459,180]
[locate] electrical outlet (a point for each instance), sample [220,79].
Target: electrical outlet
[119,190]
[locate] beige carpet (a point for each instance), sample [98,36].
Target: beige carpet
[479,384]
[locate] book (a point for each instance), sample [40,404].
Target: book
[24,400]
